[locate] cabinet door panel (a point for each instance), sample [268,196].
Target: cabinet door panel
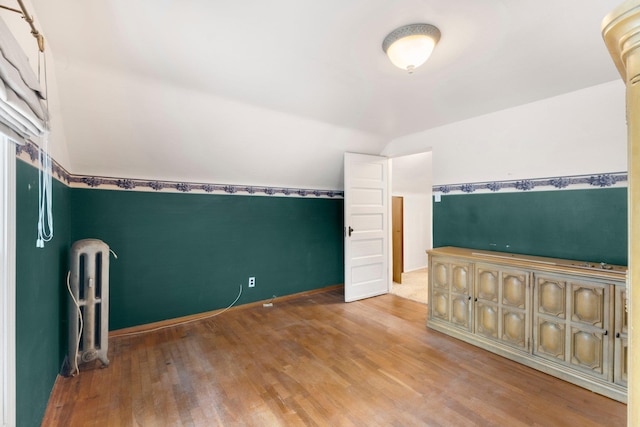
[514,290]
[621,362]
[621,344]
[460,310]
[551,339]
[621,301]
[514,327]
[460,282]
[587,304]
[440,305]
[487,320]
[439,275]
[551,297]
[587,349]
[487,285]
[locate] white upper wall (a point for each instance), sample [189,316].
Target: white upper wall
[411,174]
[582,132]
[151,129]
[272,93]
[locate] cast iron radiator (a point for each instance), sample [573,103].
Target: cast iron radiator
[89,299]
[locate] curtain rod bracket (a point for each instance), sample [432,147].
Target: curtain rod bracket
[25,15]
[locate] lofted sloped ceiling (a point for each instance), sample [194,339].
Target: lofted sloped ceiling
[273,92]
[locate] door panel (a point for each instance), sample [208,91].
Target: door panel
[397,213]
[366,221]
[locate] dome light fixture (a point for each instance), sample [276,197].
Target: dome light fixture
[410,46]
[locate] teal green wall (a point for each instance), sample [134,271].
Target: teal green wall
[180,254]
[588,225]
[40,296]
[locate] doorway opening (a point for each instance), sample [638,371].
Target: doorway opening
[411,181]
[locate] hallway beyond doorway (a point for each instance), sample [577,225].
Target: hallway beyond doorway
[414,285]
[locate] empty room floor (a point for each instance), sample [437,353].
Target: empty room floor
[317,361]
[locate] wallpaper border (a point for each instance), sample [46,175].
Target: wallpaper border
[557,183]
[30,152]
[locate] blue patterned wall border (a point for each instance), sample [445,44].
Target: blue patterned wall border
[557,183]
[30,151]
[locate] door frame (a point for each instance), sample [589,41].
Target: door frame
[8,281]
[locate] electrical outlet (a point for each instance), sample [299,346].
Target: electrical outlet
[252,282]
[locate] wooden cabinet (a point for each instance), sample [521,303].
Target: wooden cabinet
[562,317]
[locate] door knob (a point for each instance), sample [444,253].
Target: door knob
[350,231]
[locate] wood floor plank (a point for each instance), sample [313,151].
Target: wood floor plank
[316,360]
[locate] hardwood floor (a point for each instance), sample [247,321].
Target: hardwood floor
[318,361]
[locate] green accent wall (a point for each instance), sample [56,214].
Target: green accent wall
[180,254]
[587,225]
[40,296]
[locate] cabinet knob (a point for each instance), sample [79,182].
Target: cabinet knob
[617,334]
[606,333]
[475,299]
[469,298]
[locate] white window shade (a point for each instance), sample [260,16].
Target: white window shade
[23,114]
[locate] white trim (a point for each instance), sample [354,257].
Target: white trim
[8,281]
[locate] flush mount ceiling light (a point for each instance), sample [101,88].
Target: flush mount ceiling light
[409,47]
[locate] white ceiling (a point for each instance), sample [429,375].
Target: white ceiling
[273,92]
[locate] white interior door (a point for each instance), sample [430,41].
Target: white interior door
[366,222]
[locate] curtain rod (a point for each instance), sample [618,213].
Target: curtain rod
[25,15]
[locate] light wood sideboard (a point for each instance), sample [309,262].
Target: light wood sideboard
[565,318]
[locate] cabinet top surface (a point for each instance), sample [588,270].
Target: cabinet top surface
[605,271]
